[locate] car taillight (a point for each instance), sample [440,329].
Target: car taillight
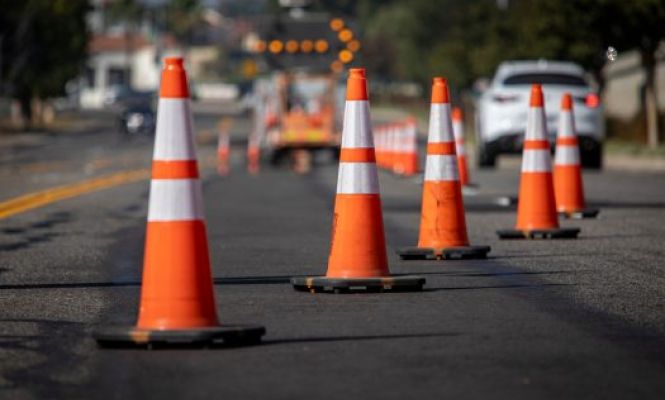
[505,98]
[592,100]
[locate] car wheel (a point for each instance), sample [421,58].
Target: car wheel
[486,157]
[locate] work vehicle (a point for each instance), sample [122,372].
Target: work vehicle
[501,110]
[301,115]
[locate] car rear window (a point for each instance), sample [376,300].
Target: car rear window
[545,79]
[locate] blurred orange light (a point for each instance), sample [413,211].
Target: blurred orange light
[336,24]
[345,35]
[345,56]
[321,46]
[291,46]
[306,46]
[260,46]
[276,46]
[353,45]
[337,66]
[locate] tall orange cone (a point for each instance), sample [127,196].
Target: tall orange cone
[536,208]
[177,299]
[223,148]
[460,148]
[442,223]
[568,186]
[357,259]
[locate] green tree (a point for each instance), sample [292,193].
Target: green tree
[44,45]
[182,18]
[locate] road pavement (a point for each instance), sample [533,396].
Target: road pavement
[578,318]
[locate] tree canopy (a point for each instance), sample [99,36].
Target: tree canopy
[44,45]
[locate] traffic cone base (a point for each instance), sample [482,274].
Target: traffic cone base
[555,233]
[444,253]
[177,306]
[227,335]
[357,261]
[324,284]
[443,234]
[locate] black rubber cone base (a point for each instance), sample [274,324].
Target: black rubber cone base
[580,214]
[448,253]
[227,335]
[322,284]
[558,233]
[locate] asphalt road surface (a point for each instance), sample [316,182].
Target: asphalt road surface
[576,319]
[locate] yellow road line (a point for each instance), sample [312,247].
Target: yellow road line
[39,199]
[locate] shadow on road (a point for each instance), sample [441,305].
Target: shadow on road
[323,339]
[248,280]
[509,286]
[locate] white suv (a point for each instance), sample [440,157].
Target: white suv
[502,109]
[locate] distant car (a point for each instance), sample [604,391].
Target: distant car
[502,109]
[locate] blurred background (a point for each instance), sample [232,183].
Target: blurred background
[68,64]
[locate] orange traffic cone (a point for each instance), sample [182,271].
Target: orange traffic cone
[568,187]
[399,148]
[410,147]
[442,223]
[253,154]
[357,259]
[177,299]
[536,209]
[458,130]
[223,148]
[380,138]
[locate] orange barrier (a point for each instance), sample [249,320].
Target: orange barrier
[357,259]
[177,299]
[536,208]
[443,233]
[568,186]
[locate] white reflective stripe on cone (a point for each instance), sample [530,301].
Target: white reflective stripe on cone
[536,129]
[440,126]
[457,130]
[536,160]
[175,200]
[357,178]
[567,155]
[224,141]
[174,134]
[441,168]
[566,124]
[357,132]
[459,149]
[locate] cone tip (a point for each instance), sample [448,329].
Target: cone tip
[174,79]
[439,90]
[357,73]
[567,101]
[356,86]
[457,114]
[536,95]
[173,62]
